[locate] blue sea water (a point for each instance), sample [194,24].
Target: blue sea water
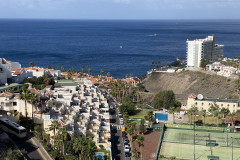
[96,43]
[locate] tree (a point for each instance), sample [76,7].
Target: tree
[90,149]
[72,70]
[31,64]
[126,75]
[15,154]
[212,108]
[142,127]
[54,127]
[224,112]
[135,153]
[24,95]
[203,113]
[101,72]
[78,146]
[164,99]
[192,111]
[33,100]
[82,69]
[62,69]
[61,137]
[150,118]
[172,111]
[127,106]
[89,70]
[232,116]
[108,74]
[139,141]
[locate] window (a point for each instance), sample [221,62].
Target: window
[14,103]
[221,104]
[202,104]
[1,69]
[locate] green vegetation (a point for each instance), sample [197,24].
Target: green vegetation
[127,106]
[139,114]
[165,99]
[40,82]
[65,147]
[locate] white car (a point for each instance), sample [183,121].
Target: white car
[126,148]
[121,122]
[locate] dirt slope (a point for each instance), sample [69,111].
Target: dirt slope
[188,82]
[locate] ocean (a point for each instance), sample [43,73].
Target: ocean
[117,46]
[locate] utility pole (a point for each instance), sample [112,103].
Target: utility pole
[194,135]
[232,148]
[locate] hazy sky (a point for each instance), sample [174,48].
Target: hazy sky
[121,9]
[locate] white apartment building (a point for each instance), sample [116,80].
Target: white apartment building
[202,49]
[205,103]
[5,70]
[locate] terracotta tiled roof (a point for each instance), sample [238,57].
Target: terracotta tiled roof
[33,90]
[6,94]
[192,96]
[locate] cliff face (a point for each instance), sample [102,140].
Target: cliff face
[188,82]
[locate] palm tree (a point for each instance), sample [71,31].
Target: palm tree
[150,118]
[54,127]
[82,69]
[102,71]
[172,111]
[78,146]
[31,64]
[135,153]
[203,112]
[91,148]
[89,70]
[24,95]
[62,69]
[62,136]
[139,141]
[108,74]
[32,100]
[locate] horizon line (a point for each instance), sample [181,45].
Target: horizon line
[120,19]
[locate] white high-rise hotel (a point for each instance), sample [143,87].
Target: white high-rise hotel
[202,49]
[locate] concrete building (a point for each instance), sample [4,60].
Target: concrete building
[202,49]
[5,70]
[204,103]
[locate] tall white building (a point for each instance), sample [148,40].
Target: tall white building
[202,49]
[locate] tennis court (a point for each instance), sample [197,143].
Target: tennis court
[180,143]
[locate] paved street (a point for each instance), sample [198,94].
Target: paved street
[118,152]
[29,143]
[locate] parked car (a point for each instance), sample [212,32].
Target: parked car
[126,148]
[125,141]
[127,154]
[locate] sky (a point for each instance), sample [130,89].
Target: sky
[120,9]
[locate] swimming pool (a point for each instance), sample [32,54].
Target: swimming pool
[99,156]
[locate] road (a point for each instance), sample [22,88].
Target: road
[117,147]
[34,150]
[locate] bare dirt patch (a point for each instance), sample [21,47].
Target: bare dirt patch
[150,145]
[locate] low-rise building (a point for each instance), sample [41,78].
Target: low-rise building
[205,103]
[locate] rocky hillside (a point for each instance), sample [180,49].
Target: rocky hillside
[188,82]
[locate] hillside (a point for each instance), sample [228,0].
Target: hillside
[184,83]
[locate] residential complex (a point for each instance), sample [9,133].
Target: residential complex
[11,72]
[78,105]
[202,49]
